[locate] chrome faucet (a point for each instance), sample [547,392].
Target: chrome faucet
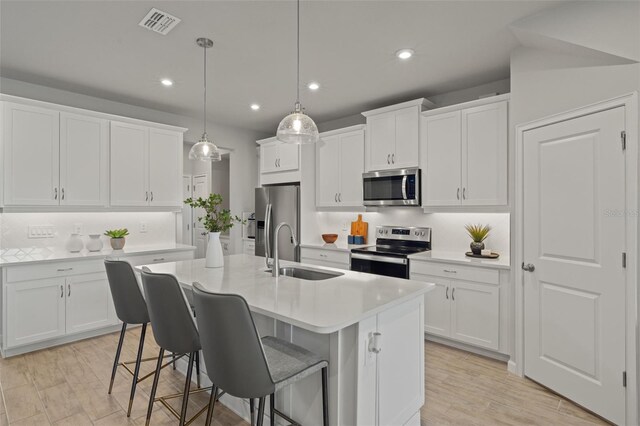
[275,272]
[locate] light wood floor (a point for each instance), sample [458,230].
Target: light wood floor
[68,385]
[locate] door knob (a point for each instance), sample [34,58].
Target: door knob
[529,267]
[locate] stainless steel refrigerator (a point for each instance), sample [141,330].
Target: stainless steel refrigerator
[276,204]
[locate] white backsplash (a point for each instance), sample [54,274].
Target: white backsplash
[161,227]
[448,233]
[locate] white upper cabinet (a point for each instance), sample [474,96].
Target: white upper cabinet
[269,157]
[393,136]
[84,160]
[31,155]
[464,154]
[279,162]
[339,167]
[165,168]
[146,166]
[129,173]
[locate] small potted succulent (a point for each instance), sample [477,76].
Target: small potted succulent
[216,220]
[117,237]
[478,234]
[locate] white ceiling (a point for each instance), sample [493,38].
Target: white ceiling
[97,48]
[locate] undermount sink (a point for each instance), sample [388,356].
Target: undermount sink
[308,273]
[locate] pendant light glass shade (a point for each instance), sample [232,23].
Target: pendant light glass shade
[298,127]
[204,150]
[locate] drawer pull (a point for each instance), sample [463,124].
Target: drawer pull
[65,269]
[323,255]
[450,271]
[160,259]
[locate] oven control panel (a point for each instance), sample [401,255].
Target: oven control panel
[404,233]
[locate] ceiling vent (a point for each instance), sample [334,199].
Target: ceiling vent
[159,21]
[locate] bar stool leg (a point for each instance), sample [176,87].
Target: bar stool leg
[261,411]
[136,371]
[198,369]
[325,401]
[173,357]
[154,388]
[187,385]
[212,403]
[252,408]
[272,411]
[117,358]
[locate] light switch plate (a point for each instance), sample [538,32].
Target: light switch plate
[143,227]
[41,231]
[77,228]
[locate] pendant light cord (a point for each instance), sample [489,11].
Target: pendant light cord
[298,55]
[204,124]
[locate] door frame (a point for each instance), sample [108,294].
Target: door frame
[632,339]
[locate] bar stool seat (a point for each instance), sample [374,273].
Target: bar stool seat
[289,363]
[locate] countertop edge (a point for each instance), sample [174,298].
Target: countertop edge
[481,263]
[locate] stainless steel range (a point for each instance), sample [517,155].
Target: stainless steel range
[390,255]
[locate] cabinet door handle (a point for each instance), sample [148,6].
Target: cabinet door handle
[375,343]
[446,294]
[151,196]
[464,193]
[453,294]
[55,193]
[275,163]
[62,194]
[146,195]
[340,196]
[451,271]
[393,158]
[335,197]
[458,194]
[187,226]
[61,291]
[388,158]
[68,290]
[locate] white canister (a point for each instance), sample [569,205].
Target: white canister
[94,243]
[74,243]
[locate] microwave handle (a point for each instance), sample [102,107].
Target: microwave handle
[404,187]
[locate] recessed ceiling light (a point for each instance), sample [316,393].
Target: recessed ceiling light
[255,107]
[405,53]
[166,82]
[313,86]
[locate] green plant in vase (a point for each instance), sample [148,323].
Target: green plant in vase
[478,234]
[117,237]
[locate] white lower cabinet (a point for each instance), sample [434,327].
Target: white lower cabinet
[249,247]
[467,310]
[88,303]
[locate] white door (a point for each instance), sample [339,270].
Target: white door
[328,171]
[351,169]
[187,217]
[288,156]
[165,168]
[200,189]
[381,136]
[31,156]
[129,164]
[475,314]
[407,139]
[437,306]
[441,148]
[84,160]
[88,302]
[484,155]
[35,312]
[574,175]
[269,157]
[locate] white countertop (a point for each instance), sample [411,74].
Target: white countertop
[18,256]
[459,258]
[318,306]
[338,246]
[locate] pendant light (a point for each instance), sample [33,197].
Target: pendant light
[297,127]
[204,150]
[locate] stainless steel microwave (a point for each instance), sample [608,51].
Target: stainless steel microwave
[399,187]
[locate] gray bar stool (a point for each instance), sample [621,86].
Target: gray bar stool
[242,363]
[130,309]
[174,331]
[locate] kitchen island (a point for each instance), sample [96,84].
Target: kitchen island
[369,327]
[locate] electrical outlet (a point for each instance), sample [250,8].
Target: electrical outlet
[143,227]
[345,226]
[41,231]
[77,228]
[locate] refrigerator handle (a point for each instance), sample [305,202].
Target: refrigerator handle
[267,227]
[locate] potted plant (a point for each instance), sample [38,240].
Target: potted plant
[215,221]
[478,234]
[117,237]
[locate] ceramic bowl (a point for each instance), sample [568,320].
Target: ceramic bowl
[329,238]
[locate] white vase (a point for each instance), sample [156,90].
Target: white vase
[214,258]
[74,243]
[94,243]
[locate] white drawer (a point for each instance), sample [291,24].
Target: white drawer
[249,247]
[458,272]
[333,256]
[53,270]
[316,262]
[147,259]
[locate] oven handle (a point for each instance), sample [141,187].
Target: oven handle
[404,187]
[377,258]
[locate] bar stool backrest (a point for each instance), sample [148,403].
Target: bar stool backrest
[233,352]
[127,297]
[171,318]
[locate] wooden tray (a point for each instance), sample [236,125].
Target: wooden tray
[491,256]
